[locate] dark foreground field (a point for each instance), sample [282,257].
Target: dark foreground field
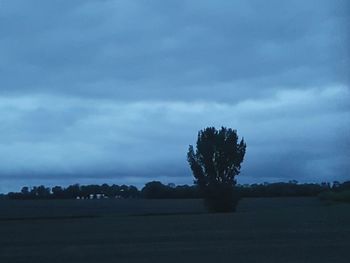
[263,230]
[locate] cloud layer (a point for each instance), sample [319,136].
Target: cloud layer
[95,91]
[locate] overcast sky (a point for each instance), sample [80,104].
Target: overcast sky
[114,91]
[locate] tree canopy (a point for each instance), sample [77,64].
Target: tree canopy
[215,163]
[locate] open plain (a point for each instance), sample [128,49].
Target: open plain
[137,230]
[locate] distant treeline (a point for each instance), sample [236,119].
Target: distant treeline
[157,190]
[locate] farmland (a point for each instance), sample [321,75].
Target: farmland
[138,230]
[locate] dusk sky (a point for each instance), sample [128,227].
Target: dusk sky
[115,91]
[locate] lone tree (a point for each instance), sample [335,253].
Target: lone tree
[215,163]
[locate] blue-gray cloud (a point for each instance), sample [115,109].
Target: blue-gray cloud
[295,134]
[109,48]
[116,90]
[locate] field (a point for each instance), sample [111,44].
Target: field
[262,230]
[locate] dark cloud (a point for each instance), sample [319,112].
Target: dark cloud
[125,49]
[116,90]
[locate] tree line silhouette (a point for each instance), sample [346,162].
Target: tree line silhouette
[158,190]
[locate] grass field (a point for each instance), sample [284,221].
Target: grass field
[262,230]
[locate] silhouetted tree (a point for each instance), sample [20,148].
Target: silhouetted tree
[115,191]
[57,192]
[133,192]
[25,192]
[72,191]
[215,163]
[106,190]
[43,192]
[154,189]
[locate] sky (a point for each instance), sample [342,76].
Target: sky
[115,91]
